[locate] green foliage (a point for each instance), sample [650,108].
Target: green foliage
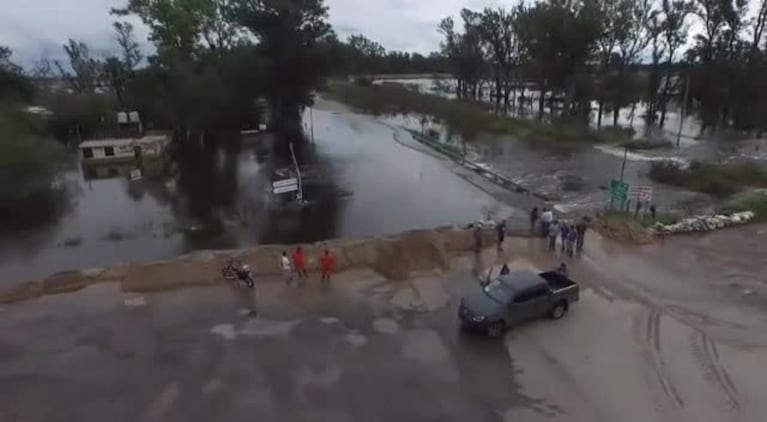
[712,178]
[13,85]
[755,202]
[28,165]
[80,116]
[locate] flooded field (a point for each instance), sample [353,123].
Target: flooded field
[360,182]
[578,181]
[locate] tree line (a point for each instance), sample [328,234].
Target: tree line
[213,59]
[615,53]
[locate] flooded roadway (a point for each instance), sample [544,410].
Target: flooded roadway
[366,184]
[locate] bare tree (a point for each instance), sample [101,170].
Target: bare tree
[87,70]
[130,49]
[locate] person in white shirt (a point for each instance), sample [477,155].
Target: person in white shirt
[547,217]
[287,268]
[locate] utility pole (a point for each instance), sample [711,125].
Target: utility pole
[300,194]
[683,110]
[311,122]
[623,165]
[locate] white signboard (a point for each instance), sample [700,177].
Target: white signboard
[135,175]
[262,126]
[285,189]
[641,193]
[285,182]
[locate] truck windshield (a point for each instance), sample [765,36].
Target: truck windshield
[498,291]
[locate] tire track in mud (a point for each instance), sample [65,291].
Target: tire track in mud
[704,351]
[653,351]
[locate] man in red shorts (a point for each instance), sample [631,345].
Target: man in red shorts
[299,264]
[326,265]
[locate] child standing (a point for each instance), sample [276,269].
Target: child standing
[287,268]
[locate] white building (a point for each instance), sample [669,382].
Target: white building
[123,149]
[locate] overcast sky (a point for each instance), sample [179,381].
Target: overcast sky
[34,28]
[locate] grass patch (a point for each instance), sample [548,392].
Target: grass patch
[624,227]
[666,218]
[712,178]
[72,242]
[756,202]
[645,145]
[117,235]
[469,118]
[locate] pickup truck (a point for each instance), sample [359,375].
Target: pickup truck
[518,296]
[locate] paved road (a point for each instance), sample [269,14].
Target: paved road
[633,350]
[366,350]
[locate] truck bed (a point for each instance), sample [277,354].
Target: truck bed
[557,281]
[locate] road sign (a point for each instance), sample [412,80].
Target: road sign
[134,175]
[285,182]
[641,193]
[618,190]
[285,189]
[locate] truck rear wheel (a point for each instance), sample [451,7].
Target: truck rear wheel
[496,329]
[559,310]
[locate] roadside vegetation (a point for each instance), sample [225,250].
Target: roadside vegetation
[470,118]
[716,179]
[755,202]
[29,160]
[623,226]
[29,164]
[646,145]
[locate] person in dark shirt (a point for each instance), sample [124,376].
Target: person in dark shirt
[501,231]
[580,228]
[533,219]
[564,234]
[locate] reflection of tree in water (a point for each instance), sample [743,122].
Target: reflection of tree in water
[205,181]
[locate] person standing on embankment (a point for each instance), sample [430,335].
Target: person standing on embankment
[326,266]
[580,228]
[533,219]
[299,265]
[501,232]
[287,268]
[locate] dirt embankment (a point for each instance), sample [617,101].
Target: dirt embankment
[394,257]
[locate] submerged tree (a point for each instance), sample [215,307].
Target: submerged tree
[294,39]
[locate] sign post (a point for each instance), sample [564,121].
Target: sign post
[285,186]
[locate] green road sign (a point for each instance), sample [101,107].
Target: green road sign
[618,190]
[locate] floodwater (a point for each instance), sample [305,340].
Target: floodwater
[578,181]
[358,182]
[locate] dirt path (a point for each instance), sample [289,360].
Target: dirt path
[660,335]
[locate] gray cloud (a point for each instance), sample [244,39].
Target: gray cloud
[35,28]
